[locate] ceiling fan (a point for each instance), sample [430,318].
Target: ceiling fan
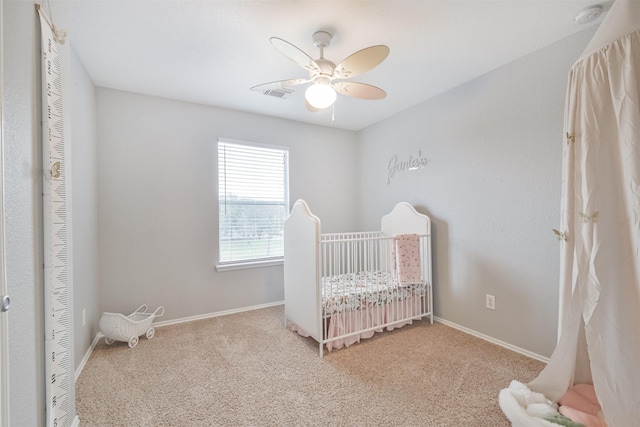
[327,78]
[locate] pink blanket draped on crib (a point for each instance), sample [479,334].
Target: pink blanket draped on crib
[406,258]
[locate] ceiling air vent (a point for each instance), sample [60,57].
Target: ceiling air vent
[278,93]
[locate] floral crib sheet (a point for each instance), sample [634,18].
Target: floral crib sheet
[354,291]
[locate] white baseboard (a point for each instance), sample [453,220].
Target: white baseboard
[216,314]
[84,360]
[492,340]
[76,422]
[173,322]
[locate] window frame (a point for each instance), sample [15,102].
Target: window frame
[252,262]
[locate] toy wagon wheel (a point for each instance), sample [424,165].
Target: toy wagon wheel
[133,342]
[108,341]
[150,333]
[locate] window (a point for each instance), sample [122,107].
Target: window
[253,190]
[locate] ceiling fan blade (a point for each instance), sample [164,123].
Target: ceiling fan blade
[295,54]
[359,90]
[285,85]
[361,61]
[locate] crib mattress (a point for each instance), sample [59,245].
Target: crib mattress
[354,291]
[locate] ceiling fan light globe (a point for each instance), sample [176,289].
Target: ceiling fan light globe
[320,96]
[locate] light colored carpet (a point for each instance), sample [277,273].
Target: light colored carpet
[248,370]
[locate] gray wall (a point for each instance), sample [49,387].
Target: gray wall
[84,175]
[157,199]
[22,158]
[492,187]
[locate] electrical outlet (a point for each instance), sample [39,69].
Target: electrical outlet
[491,302]
[84,317]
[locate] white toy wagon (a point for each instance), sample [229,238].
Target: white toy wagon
[118,327]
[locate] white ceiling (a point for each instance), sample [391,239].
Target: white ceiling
[211,52]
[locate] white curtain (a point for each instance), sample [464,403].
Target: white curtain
[599,329]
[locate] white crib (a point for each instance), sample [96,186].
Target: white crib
[342,287]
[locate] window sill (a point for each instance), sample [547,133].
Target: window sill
[249,264]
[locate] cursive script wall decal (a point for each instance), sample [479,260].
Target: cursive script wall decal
[397,165]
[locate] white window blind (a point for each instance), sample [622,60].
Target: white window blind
[253,188]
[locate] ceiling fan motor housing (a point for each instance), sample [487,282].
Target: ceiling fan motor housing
[326,68]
